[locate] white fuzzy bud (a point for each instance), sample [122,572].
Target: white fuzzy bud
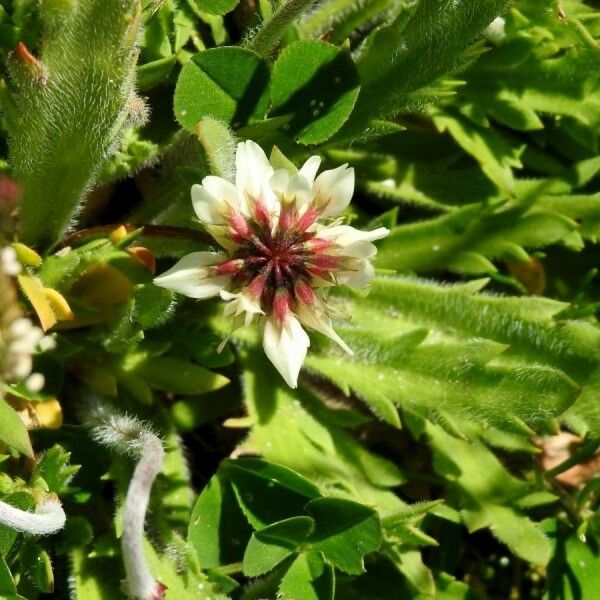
[9,262]
[47,343]
[35,382]
[19,340]
[495,31]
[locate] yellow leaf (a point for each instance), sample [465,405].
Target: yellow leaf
[239,423]
[59,305]
[26,255]
[118,234]
[39,415]
[102,287]
[35,293]
[48,413]
[530,273]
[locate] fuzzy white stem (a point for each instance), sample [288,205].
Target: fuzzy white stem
[131,436]
[48,518]
[140,583]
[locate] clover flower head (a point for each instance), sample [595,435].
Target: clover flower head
[283,245]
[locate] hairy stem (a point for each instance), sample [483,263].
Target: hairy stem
[130,436]
[68,108]
[140,581]
[273,28]
[49,517]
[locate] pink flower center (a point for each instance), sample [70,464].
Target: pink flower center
[277,266]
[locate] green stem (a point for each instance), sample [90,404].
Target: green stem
[342,16]
[77,238]
[585,451]
[274,27]
[230,569]
[70,108]
[585,36]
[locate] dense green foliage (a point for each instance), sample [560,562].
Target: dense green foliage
[419,466]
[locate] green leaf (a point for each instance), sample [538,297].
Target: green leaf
[154,73]
[174,488]
[309,578]
[8,589]
[273,475]
[533,333]
[411,536]
[411,565]
[383,581]
[12,430]
[314,447]
[431,187]
[449,362]
[94,577]
[200,345]
[153,306]
[407,55]
[219,145]
[518,77]
[192,411]
[21,500]
[495,155]
[461,240]
[268,492]
[487,492]
[411,512]
[175,375]
[230,84]
[218,530]
[54,468]
[36,563]
[344,532]
[450,589]
[216,7]
[316,84]
[167,571]
[519,534]
[572,572]
[271,545]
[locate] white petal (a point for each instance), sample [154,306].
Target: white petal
[222,189]
[253,169]
[309,169]
[333,190]
[359,275]
[319,321]
[286,347]
[270,199]
[344,235]
[358,250]
[241,304]
[190,277]
[221,235]
[214,199]
[280,180]
[291,188]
